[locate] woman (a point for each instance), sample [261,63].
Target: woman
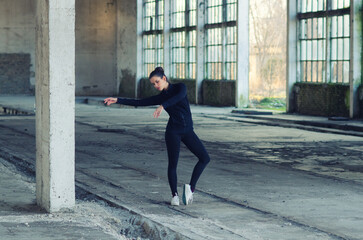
[173,98]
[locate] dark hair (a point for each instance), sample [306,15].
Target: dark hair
[158,71]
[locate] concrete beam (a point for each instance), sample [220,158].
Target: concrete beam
[242,80]
[291,55]
[355,68]
[55,103]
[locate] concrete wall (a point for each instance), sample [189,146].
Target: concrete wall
[96,47]
[126,47]
[17,34]
[105,43]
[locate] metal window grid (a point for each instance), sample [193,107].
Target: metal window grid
[153,24]
[221,39]
[183,39]
[324,36]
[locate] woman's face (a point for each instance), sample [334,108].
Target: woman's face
[159,83]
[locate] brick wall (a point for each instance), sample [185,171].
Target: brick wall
[15,74]
[322,99]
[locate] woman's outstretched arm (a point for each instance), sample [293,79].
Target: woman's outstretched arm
[154,100]
[150,101]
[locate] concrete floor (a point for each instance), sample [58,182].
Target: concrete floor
[21,219]
[263,182]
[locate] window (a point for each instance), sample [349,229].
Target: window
[153,24]
[183,39]
[323,45]
[221,39]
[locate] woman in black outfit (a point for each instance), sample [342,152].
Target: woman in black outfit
[173,98]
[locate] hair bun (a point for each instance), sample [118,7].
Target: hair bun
[159,69]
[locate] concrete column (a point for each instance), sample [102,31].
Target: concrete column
[200,51]
[139,60]
[242,79]
[291,55]
[167,49]
[356,59]
[55,102]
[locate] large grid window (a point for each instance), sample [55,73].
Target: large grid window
[153,43]
[183,39]
[221,39]
[324,36]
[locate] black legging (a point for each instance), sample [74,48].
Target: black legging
[191,140]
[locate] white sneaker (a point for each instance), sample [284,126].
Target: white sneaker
[175,201]
[187,195]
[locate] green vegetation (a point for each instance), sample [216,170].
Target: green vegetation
[278,104]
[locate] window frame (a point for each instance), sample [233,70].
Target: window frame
[224,71]
[152,29]
[183,69]
[335,65]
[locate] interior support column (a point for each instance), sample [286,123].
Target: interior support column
[55,104]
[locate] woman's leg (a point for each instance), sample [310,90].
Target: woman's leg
[193,143]
[173,146]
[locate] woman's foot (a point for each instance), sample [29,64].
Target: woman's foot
[187,194]
[175,201]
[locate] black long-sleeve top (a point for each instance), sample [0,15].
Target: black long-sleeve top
[175,102]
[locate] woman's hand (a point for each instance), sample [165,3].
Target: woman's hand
[158,111]
[110,101]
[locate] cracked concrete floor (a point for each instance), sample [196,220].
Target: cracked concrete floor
[263,182]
